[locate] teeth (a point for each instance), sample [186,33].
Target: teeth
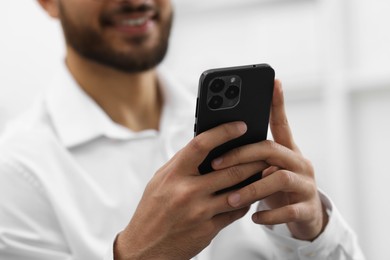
[134,22]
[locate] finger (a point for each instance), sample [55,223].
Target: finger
[271,152]
[219,180]
[281,180]
[222,220]
[279,125]
[270,170]
[290,213]
[198,148]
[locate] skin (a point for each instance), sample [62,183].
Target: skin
[108,86]
[179,213]
[288,186]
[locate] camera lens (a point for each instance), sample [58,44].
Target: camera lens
[217,85]
[232,92]
[215,102]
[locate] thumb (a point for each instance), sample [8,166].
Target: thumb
[280,127]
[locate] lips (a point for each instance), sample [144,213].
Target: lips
[130,16]
[134,22]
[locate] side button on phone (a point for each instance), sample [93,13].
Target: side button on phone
[196,109]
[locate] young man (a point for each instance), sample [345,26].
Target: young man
[103,166]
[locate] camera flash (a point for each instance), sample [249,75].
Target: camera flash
[232,80]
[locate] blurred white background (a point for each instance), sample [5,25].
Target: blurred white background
[333,57]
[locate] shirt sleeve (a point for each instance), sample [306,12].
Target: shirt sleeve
[337,242]
[28,229]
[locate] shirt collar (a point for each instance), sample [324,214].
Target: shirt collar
[77,118]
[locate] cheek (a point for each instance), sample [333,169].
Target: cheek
[166,8]
[82,14]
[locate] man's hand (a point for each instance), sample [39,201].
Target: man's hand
[288,185]
[180,213]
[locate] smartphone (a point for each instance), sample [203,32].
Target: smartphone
[225,95]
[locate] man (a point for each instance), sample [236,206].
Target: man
[103,167]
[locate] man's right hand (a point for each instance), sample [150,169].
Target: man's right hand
[179,213]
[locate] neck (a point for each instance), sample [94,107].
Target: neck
[130,99]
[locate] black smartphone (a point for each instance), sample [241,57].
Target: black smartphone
[225,95]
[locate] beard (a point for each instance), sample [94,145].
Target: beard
[90,43]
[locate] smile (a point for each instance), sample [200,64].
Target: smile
[134,22]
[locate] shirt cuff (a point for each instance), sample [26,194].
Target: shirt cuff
[337,238]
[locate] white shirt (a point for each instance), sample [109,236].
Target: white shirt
[70,180]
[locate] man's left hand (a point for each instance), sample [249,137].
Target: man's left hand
[288,186]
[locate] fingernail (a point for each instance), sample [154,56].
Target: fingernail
[242,127]
[218,161]
[234,199]
[255,218]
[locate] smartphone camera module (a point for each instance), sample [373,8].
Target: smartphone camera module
[224,92]
[232,92]
[215,102]
[217,85]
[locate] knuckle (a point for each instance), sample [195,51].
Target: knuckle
[269,143]
[292,213]
[272,146]
[252,190]
[151,186]
[286,178]
[283,121]
[198,214]
[198,144]
[234,174]
[309,167]
[182,195]
[236,154]
[229,131]
[311,188]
